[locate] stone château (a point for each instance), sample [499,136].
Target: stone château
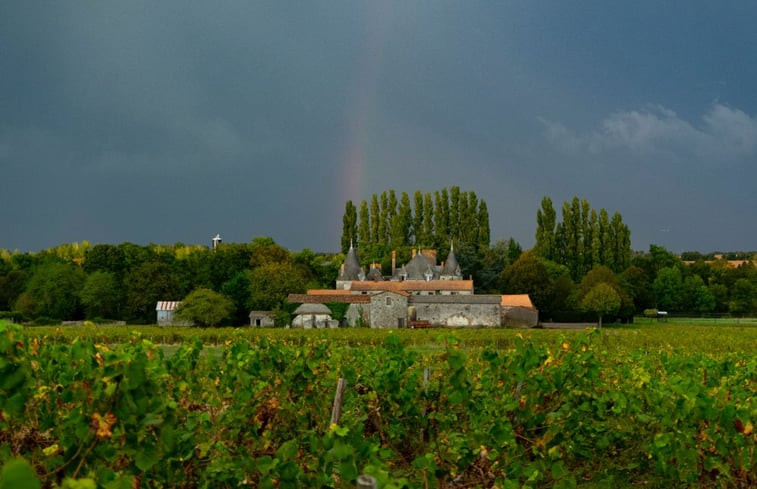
[419,293]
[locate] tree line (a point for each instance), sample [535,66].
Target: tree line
[579,268]
[584,238]
[430,221]
[124,282]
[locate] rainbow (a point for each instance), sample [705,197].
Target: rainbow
[361,108]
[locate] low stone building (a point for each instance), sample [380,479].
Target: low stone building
[518,310]
[261,319]
[310,316]
[388,309]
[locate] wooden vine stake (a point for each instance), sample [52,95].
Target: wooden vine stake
[336,410]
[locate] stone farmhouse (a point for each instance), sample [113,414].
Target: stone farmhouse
[420,293]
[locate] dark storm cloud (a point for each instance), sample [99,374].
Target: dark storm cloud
[167,121]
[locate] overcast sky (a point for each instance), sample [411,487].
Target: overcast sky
[172,121]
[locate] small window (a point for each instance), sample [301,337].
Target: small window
[388,301]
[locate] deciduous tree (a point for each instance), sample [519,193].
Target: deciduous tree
[205,307]
[602,300]
[101,296]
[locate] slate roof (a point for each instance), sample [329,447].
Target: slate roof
[312,309]
[375,275]
[451,266]
[414,285]
[418,267]
[352,267]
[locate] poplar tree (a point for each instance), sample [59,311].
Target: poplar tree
[383,220]
[463,219]
[471,222]
[401,222]
[418,217]
[621,237]
[364,230]
[596,243]
[605,238]
[441,217]
[349,226]
[546,219]
[484,232]
[375,219]
[586,238]
[454,213]
[427,236]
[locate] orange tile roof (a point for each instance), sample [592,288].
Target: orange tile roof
[324,298]
[412,285]
[517,300]
[328,292]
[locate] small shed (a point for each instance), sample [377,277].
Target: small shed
[165,310]
[518,310]
[310,316]
[261,319]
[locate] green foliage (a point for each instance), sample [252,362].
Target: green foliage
[147,284]
[743,297]
[349,226]
[528,275]
[668,288]
[205,307]
[425,222]
[602,300]
[546,222]
[54,289]
[12,284]
[338,309]
[270,284]
[583,239]
[238,290]
[18,474]
[543,410]
[265,251]
[101,295]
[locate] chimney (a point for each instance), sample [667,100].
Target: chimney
[394,262]
[415,252]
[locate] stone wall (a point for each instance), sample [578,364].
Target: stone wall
[388,310]
[520,317]
[355,312]
[458,311]
[311,321]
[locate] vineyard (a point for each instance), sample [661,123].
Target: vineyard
[651,407]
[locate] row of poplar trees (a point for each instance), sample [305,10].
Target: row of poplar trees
[431,221]
[583,239]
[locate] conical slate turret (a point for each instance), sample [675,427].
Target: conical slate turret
[351,269]
[451,266]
